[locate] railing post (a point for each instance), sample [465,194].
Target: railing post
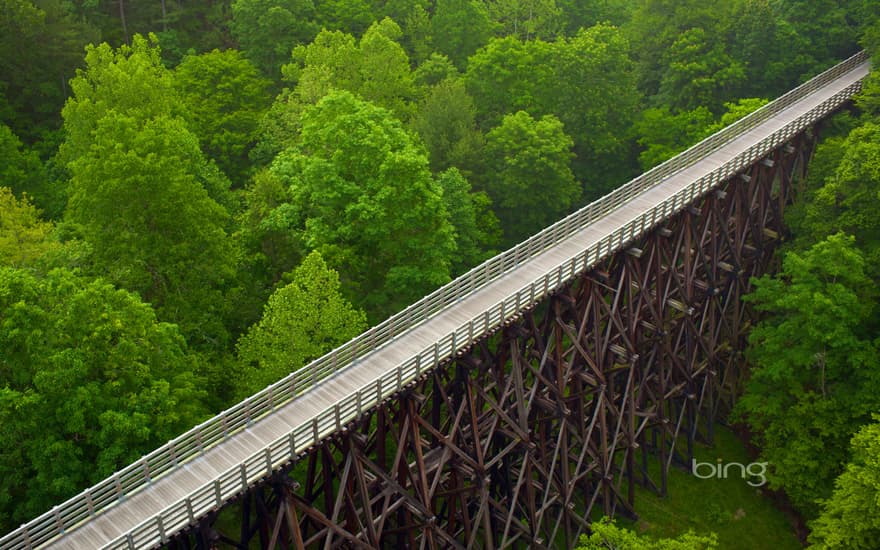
[118,486]
[189,512]
[59,525]
[161,527]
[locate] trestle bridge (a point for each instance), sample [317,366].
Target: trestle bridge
[510,407]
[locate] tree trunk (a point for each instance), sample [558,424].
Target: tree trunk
[122,18]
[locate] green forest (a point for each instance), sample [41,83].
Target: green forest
[197,198]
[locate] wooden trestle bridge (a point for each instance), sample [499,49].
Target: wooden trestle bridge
[510,407]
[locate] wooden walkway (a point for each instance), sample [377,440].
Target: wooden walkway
[121,518]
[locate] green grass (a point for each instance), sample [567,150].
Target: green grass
[741,515]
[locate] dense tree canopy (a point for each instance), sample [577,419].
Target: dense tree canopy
[376,67]
[459,28]
[267,30]
[302,320]
[278,167]
[815,374]
[137,198]
[225,97]
[586,81]
[851,517]
[529,176]
[364,197]
[24,237]
[89,381]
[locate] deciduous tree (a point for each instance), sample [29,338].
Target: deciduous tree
[529,173]
[365,199]
[24,237]
[89,381]
[445,121]
[154,228]
[850,519]
[267,30]
[814,376]
[376,68]
[459,28]
[303,319]
[477,231]
[225,97]
[587,82]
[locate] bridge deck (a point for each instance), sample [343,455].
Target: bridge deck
[201,471]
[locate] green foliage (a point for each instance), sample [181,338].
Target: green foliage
[40,46]
[869,98]
[528,173]
[266,228]
[476,228]
[142,192]
[760,39]
[699,73]
[137,196]
[583,14]
[657,24]
[527,19]
[434,70]
[607,535]
[376,68]
[267,30]
[848,201]
[225,97]
[663,134]
[89,381]
[22,171]
[459,28]
[815,374]
[352,16]
[129,80]
[736,110]
[587,82]
[850,519]
[364,197]
[302,320]
[24,237]
[446,123]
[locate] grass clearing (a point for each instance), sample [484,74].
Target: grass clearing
[742,515]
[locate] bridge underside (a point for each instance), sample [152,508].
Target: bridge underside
[549,423]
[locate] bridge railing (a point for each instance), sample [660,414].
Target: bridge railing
[196,441]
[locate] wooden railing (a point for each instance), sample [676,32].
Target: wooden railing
[192,444]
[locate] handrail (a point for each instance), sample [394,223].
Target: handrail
[195,442]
